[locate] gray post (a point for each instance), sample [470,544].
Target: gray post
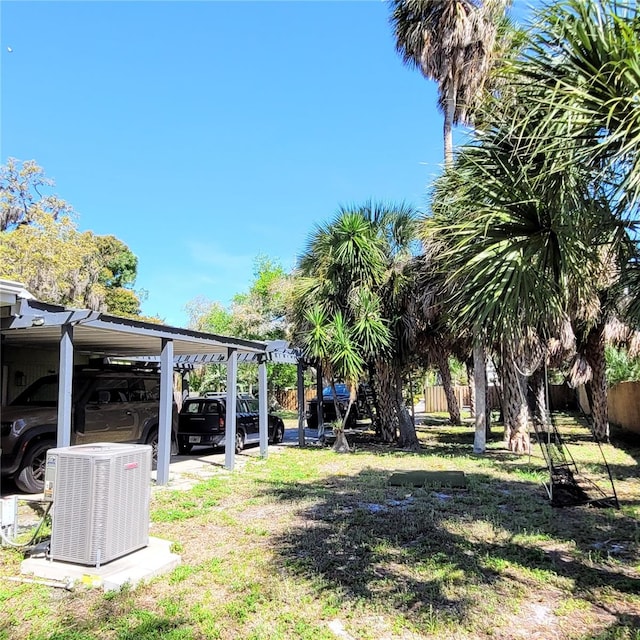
[166,412]
[65,386]
[263,400]
[230,420]
[320,407]
[301,441]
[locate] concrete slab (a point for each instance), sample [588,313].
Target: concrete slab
[153,560]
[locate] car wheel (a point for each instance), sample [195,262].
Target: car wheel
[278,435]
[312,423]
[152,439]
[239,441]
[30,476]
[184,449]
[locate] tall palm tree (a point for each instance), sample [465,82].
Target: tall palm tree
[451,42]
[354,269]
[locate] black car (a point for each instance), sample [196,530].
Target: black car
[202,422]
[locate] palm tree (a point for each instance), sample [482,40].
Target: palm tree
[354,270]
[331,343]
[451,42]
[584,58]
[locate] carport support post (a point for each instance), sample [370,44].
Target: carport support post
[301,404]
[166,413]
[263,401]
[65,386]
[232,381]
[320,406]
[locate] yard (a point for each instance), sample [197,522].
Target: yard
[314,545]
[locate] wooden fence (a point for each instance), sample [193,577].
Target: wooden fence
[288,398]
[560,397]
[624,405]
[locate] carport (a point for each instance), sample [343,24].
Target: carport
[25,322]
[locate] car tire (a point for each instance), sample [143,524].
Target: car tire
[184,449]
[278,434]
[312,423]
[152,439]
[30,476]
[239,441]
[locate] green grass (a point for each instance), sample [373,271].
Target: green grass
[287,547]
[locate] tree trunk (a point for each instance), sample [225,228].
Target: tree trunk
[386,402]
[472,388]
[516,412]
[487,407]
[448,125]
[538,401]
[408,438]
[480,385]
[594,354]
[442,361]
[499,386]
[336,404]
[341,445]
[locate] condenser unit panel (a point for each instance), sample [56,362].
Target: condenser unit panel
[100,501]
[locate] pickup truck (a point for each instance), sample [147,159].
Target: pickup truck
[202,422]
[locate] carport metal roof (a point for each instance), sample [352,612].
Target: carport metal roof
[31,323]
[34,323]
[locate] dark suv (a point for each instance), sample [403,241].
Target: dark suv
[118,404]
[202,422]
[358,410]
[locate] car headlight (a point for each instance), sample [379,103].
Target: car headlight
[19,425]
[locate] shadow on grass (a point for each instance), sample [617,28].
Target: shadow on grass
[449,552]
[627,627]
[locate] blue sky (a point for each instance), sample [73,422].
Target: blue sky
[205,133]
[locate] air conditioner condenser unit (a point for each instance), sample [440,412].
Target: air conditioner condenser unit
[100,496]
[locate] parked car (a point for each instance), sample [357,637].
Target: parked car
[358,410]
[111,404]
[202,422]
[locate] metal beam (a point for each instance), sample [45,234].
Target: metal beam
[290,357]
[65,386]
[264,414]
[38,318]
[230,436]
[301,441]
[320,406]
[166,412]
